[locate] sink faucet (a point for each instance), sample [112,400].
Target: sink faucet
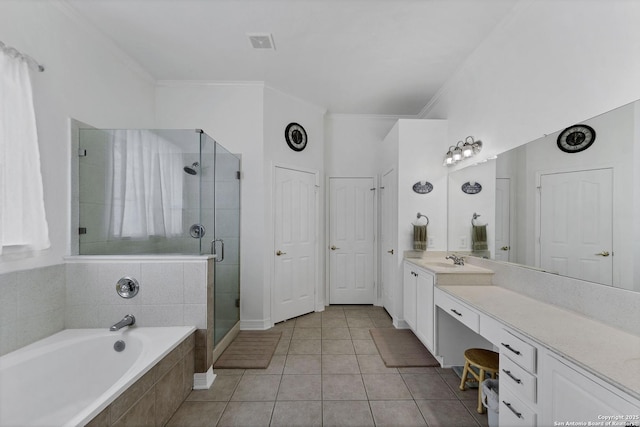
[456,259]
[127,320]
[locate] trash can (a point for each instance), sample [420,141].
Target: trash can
[490,400]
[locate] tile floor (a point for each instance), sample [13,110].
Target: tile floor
[326,371]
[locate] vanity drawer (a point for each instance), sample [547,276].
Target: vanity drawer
[513,412]
[524,354]
[520,381]
[468,317]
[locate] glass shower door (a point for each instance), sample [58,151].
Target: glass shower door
[226,294]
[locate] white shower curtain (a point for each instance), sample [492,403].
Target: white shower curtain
[23,223]
[146,186]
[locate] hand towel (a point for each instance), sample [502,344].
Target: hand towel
[479,238]
[420,237]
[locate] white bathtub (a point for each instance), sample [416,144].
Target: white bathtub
[68,378]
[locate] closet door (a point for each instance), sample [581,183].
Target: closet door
[351,233]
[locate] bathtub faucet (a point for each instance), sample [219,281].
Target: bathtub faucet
[128,320]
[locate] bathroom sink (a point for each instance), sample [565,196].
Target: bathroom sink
[443,265]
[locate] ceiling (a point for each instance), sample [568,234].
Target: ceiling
[382,57]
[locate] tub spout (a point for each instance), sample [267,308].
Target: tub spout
[128,320]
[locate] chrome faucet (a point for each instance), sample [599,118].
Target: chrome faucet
[456,259]
[127,320]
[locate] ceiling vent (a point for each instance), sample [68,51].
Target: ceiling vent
[261,41]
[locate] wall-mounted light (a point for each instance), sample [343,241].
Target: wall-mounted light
[462,150]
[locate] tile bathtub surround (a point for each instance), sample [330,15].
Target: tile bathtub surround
[326,371]
[153,399]
[32,306]
[173,292]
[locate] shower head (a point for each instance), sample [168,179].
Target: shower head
[191,170]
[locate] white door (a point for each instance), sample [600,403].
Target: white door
[295,241]
[351,233]
[576,224]
[388,240]
[503,219]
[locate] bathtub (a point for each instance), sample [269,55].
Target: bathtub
[70,377]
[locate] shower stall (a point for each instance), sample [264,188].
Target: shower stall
[157,192]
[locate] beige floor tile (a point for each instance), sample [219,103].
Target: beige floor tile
[284,325]
[403,413]
[276,366]
[365,347]
[350,313]
[334,322]
[300,387]
[307,334]
[445,413]
[427,386]
[305,347]
[360,333]
[330,333]
[343,387]
[360,322]
[385,387]
[346,413]
[221,390]
[418,370]
[340,364]
[242,414]
[313,320]
[337,347]
[303,364]
[257,388]
[297,414]
[471,406]
[197,414]
[283,347]
[222,372]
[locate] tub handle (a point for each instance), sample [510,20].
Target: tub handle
[127,287]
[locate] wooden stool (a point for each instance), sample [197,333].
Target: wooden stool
[486,362]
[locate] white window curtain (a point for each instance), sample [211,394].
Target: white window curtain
[23,224]
[146,186]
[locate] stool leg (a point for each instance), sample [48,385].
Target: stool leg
[465,374]
[480,407]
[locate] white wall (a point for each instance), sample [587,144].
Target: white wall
[533,76]
[86,78]
[233,116]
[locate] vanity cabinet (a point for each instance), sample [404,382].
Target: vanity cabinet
[418,302]
[518,380]
[571,394]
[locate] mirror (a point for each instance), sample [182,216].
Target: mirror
[570,214]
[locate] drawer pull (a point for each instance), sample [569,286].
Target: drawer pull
[511,348]
[518,380]
[516,413]
[456,312]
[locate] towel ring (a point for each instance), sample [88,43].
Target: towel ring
[421,216]
[475,216]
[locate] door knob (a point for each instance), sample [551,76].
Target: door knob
[333,248]
[603,253]
[505,248]
[280,253]
[390,252]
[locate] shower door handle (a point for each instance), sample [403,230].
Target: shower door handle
[213,249]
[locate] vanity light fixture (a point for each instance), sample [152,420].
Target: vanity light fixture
[462,150]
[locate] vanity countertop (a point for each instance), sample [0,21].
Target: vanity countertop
[603,350]
[450,274]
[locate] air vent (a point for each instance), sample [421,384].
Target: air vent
[261,41]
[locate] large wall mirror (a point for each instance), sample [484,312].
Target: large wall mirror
[567,213]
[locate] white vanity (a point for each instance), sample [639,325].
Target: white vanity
[556,367]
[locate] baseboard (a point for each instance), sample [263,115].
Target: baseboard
[255,325]
[204,380]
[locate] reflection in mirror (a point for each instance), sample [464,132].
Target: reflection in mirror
[570,214]
[466,234]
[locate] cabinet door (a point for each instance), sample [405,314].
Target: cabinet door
[570,395]
[424,309]
[409,299]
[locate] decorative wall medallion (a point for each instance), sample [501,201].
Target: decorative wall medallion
[422,187]
[470,188]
